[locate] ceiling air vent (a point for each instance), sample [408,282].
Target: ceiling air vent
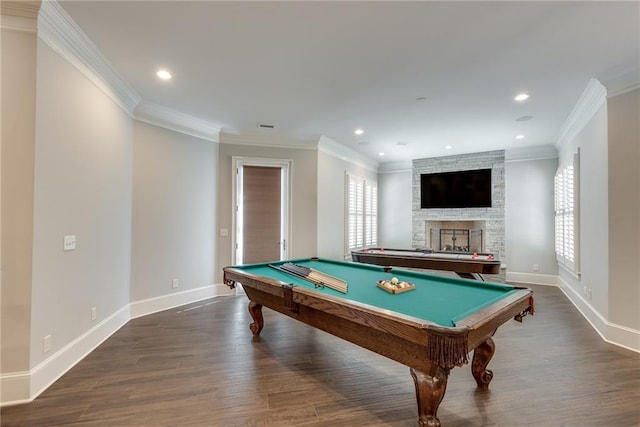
[264,126]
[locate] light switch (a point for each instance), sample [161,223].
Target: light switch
[224,232]
[69,243]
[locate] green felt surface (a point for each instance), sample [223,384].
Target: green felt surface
[442,300]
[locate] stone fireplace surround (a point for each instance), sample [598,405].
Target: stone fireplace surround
[491,219]
[433,239]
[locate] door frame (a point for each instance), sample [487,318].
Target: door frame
[238,162]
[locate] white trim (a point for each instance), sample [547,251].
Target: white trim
[286,166]
[331,147]
[63,35]
[592,98]
[14,388]
[531,278]
[19,16]
[19,24]
[622,82]
[266,138]
[612,333]
[623,336]
[24,386]
[530,153]
[618,335]
[168,118]
[396,167]
[165,302]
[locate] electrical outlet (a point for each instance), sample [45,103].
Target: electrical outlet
[46,344]
[94,313]
[175,283]
[536,267]
[589,293]
[69,243]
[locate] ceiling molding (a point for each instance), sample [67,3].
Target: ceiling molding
[622,82]
[396,167]
[63,35]
[329,146]
[267,138]
[539,152]
[592,98]
[175,120]
[19,16]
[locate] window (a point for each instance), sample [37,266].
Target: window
[362,213]
[567,214]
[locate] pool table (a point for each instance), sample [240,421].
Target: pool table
[431,328]
[464,264]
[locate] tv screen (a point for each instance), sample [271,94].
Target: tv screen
[460,189]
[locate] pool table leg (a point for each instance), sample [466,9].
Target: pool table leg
[255,310]
[481,357]
[430,388]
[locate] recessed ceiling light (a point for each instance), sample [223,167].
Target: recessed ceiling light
[448,147]
[521,136]
[163,74]
[521,97]
[358,131]
[381,154]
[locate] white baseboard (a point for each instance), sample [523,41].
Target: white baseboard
[165,302]
[14,388]
[618,335]
[52,368]
[536,279]
[23,387]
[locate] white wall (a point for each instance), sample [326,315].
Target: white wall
[304,197]
[331,203]
[395,200]
[624,209]
[18,110]
[83,163]
[529,216]
[174,212]
[594,217]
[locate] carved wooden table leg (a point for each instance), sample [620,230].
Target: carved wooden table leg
[255,310]
[430,388]
[481,357]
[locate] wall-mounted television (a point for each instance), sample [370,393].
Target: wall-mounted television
[460,189]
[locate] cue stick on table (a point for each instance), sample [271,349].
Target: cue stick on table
[314,276]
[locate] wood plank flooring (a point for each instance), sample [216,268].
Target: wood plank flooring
[199,366]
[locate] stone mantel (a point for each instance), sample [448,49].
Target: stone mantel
[493,217]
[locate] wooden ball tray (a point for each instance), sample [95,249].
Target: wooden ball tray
[386,286]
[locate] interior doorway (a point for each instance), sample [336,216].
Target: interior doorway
[261,210]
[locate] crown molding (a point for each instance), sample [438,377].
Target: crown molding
[19,16]
[538,152]
[63,35]
[329,146]
[592,98]
[175,120]
[396,167]
[622,81]
[266,138]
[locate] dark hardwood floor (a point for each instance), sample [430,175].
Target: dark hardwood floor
[199,366]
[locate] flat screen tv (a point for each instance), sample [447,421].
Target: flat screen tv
[460,189]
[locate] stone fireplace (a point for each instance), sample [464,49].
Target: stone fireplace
[475,228]
[457,236]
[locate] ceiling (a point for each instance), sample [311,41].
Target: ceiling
[327,68]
